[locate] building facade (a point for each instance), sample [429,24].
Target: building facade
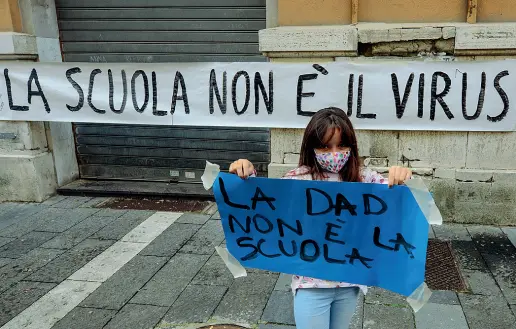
[472,174]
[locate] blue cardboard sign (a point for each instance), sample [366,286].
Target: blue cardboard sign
[359,233]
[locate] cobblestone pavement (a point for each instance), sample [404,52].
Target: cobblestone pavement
[66,264]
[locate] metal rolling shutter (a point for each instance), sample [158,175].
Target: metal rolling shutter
[162,31]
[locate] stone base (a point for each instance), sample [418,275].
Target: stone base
[278,170]
[27,176]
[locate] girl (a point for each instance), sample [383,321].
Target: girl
[329,152]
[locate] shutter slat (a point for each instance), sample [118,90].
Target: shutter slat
[162,31]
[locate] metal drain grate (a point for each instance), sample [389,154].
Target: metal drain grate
[442,272]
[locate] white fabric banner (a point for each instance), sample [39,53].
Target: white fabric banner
[458,96]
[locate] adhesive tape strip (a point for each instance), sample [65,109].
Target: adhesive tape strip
[425,201]
[419,297]
[208,178]
[231,262]
[211,171]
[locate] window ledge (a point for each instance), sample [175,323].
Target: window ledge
[345,38]
[12,43]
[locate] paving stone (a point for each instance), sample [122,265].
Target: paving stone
[65,219]
[214,272]
[58,302]
[66,264]
[444,297]
[85,318]
[102,267]
[191,218]
[5,261]
[246,298]
[264,272]
[48,220]
[210,209]
[284,282]
[122,225]
[216,216]
[137,317]
[195,305]
[387,317]
[78,233]
[503,268]
[511,234]
[72,202]
[7,206]
[152,227]
[468,256]
[433,316]
[481,283]
[16,215]
[4,241]
[357,320]
[206,239]
[381,296]
[19,297]
[508,287]
[431,233]
[275,326]
[116,213]
[167,284]
[451,232]
[491,240]
[53,200]
[25,266]
[280,308]
[120,287]
[24,244]
[94,202]
[479,230]
[171,240]
[487,312]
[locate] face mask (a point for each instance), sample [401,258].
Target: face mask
[333,161]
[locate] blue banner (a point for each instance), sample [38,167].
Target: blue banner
[358,233]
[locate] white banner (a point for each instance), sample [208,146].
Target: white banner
[459,96]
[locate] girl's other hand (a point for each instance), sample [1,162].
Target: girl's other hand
[399,175]
[243,168]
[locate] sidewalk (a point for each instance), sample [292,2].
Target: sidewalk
[66,264]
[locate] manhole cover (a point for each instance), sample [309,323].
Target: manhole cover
[223,326]
[442,272]
[157,204]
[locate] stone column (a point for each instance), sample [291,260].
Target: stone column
[35,157]
[298,44]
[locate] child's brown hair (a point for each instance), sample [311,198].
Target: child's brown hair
[331,118]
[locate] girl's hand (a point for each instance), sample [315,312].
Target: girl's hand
[243,168]
[398,175]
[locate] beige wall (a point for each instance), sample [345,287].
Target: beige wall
[313,12]
[10,18]
[332,12]
[421,11]
[496,11]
